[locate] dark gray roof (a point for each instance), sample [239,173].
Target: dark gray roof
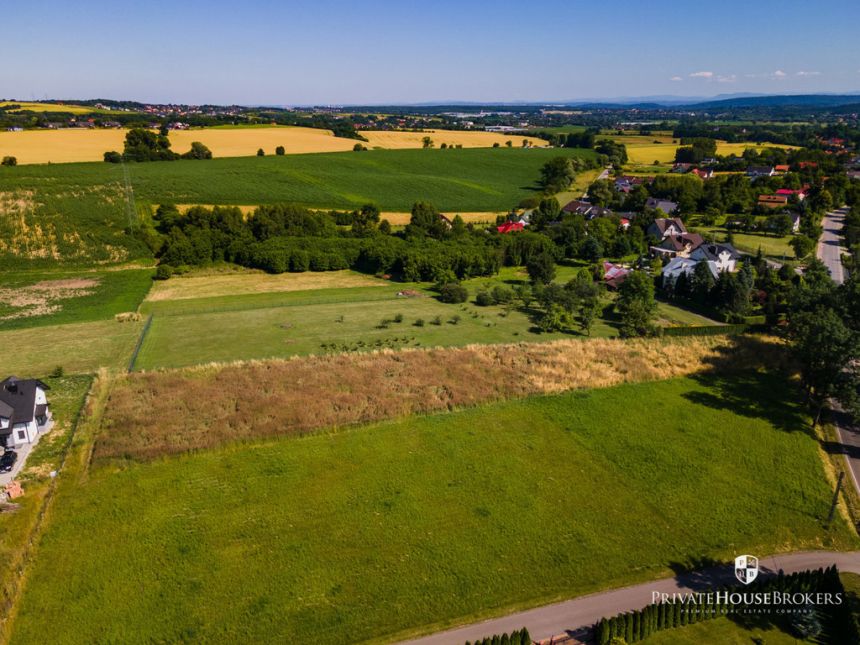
[20,396]
[713,251]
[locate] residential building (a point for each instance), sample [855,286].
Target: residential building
[24,411]
[664,205]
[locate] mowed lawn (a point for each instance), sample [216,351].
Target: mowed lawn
[79,348]
[406,526]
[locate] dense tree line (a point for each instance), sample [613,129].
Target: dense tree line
[516,637]
[279,238]
[142,144]
[635,626]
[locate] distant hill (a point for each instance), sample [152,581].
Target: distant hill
[799,100]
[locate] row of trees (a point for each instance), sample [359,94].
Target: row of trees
[635,626]
[516,637]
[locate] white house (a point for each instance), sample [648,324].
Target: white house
[724,256]
[24,411]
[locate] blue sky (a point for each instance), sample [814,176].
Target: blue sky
[378,51]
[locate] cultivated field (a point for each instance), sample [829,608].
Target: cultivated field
[467,180]
[645,150]
[68,108]
[198,407]
[76,144]
[407,525]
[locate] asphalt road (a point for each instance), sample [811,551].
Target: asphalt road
[575,616]
[830,244]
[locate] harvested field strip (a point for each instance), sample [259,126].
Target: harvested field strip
[209,285]
[271,300]
[208,406]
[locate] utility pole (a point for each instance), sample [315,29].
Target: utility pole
[835,498]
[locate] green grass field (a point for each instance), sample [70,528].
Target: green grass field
[267,325]
[92,295]
[454,180]
[80,348]
[399,527]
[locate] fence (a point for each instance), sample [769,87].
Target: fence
[139,343]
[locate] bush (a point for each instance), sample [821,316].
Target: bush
[437,320]
[113,157]
[419,322]
[502,295]
[398,318]
[58,372]
[280,151]
[455,320]
[484,299]
[453,293]
[261,153]
[164,272]
[9,161]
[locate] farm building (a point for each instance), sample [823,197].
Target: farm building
[24,411]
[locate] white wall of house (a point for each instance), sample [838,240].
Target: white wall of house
[24,433]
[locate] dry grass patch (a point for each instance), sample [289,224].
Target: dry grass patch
[45,297]
[157,413]
[245,282]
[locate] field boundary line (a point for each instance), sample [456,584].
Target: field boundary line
[12,594]
[139,344]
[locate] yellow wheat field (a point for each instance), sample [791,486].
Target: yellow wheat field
[73,144]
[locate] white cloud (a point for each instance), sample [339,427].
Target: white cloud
[728,78]
[779,74]
[806,73]
[701,75]
[676,78]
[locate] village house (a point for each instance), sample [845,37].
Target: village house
[662,204]
[665,226]
[509,227]
[24,411]
[781,168]
[760,171]
[578,207]
[681,245]
[800,193]
[703,173]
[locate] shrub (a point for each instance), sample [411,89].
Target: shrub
[280,151]
[58,372]
[502,295]
[261,153]
[437,320]
[453,293]
[398,318]
[113,156]
[9,161]
[419,322]
[164,272]
[484,299]
[455,320]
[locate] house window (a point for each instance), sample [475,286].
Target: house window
[22,435]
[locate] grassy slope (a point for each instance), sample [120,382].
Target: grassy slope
[117,291]
[354,535]
[467,180]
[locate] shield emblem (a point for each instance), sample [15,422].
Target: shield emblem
[746,568]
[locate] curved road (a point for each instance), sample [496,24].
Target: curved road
[574,617]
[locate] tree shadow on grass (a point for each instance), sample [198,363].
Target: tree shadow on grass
[749,378]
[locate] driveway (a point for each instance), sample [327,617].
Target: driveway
[574,617]
[830,244]
[23,453]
